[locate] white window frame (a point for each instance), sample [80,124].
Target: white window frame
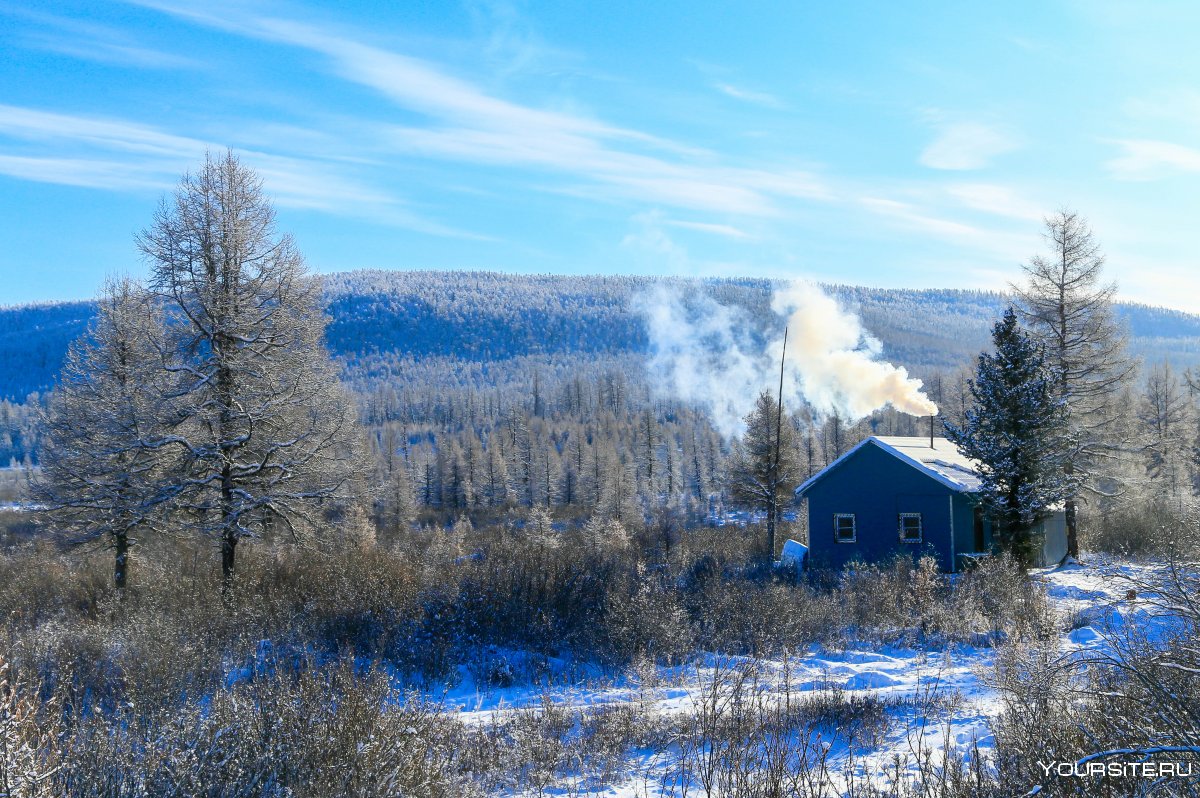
[900,528]
[837,529]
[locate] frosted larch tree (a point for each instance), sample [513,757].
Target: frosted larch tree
[267,429]
[105,456]
[764,469]
[1068,308]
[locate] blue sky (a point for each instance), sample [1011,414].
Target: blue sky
[888,144]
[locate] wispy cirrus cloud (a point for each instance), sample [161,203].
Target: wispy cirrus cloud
[420,111]
[1175,105]
[83,172]
[997,200]
[966,146]
[749,95]
[463,122]
[934,218]
[1149,159]
[90,41]
[120,135]
[725,230]
[121,155]
[917,218]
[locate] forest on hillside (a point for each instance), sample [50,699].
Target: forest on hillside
[434,341]
[379,315]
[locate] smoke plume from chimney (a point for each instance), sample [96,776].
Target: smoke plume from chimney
[714,356]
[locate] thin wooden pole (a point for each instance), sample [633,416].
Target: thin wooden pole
[778,443]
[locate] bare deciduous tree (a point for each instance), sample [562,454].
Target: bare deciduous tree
[1167,422]
[265,426]
[765,469]
[104,456]
[1065,304]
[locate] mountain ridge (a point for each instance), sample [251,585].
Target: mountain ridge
[483,316]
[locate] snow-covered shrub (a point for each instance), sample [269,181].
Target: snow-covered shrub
[909,599]
[1145,525]
[997,597]
[337,730]
[648,623]
[1133,700]
[763,618]
[892,600]
[741,737]
[29,738]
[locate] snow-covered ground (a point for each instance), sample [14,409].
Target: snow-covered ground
[932,698]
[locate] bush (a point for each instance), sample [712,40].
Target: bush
[910,601]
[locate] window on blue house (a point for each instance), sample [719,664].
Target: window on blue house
[843,527]
[910,527]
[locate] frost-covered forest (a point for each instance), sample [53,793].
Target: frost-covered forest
[376,316]
[424,346]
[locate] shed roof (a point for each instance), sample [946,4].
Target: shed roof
[938,458]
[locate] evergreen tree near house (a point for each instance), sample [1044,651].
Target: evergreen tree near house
[1017,431]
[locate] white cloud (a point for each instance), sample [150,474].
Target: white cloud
[996,200]
[996,243]
[1179,106]
[726,230]
[966,145]
[1147,159]
[648,238]
[915,218]
[92,42]
[120,155]
[83,172]
[120,135]
[466,123]
[748,95]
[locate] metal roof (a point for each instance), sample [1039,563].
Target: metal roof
[942,461]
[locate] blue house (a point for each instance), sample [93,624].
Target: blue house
[891,495]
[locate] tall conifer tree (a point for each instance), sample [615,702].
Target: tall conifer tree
[1017,431]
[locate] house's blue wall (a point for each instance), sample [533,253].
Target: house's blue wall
[876,486]
[964,526]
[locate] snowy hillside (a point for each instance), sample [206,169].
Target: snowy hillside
[377,317]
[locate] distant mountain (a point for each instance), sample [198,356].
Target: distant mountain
[33,341]
[482,317]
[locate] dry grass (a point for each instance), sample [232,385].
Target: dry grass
[300,682]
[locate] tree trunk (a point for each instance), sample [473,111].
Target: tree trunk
[121,564]
[772,509]
[228,546]
[1072,528]
[229,532]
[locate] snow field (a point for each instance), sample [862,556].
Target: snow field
[859,714]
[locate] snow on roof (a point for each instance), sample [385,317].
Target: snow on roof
[942,461]
[943,458]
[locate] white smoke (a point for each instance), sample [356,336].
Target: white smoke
[714,356]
